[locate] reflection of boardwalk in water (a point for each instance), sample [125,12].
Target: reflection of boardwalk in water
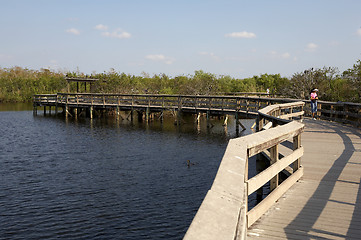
[326,203]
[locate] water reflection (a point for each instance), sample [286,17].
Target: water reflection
[214,127]
[16,106]
[105,178]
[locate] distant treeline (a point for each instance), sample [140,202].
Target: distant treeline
[20,84]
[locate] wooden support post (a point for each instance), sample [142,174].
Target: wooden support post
[344,112]
[291,111]
[198,117]
[259,123]
[225,120]
[296,145]
[332,116]
[66,111]
[140,116]
[319,108]
[274,159]
[208,119]
[237,126]
[147,114]
[91,112]
[117,113]
[132,109]
[35,110]
[76,113]
[240,124]
[44,110]
[261,164]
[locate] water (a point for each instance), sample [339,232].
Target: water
[103,179]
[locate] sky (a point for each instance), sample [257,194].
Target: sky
[178,37]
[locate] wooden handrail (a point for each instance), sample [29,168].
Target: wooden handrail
[344,112]
[224,213]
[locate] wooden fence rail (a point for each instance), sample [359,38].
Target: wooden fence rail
[224,213]
[336,111]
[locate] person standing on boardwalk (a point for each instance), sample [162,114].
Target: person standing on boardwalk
[314,99]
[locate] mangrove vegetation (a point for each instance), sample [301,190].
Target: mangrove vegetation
[20,84]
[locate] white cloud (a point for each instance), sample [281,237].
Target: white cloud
[286,55]
[241,35]
[311,47]
[209,54]
[101,27]
[118,33]
[275,54]
[73,31]
[358,32]
[160,58]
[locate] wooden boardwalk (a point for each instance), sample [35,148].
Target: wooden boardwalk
[326,202]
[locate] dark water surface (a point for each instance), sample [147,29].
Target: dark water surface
[103,179]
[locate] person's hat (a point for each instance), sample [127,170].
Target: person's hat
[315,90]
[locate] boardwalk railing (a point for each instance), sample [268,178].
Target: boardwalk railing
[224,213]
[183,102]
[345,112]
[336,111]
[45,98]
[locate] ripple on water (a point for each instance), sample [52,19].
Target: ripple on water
[80,180]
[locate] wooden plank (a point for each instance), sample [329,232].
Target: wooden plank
[291,115]
[262,178]
[266,203]
[263,140]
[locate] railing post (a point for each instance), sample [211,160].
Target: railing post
[345,110]
[274,159]
[247,105]
[319,112]
[66,106]
[259,122]
[296,145]
[132,109]
[238,104]
[179,112]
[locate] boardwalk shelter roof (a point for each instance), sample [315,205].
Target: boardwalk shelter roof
[81,80]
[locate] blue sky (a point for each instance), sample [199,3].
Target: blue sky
[236,38]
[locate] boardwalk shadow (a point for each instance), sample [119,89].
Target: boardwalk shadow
[324,190]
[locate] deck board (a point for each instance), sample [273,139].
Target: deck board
[326,202]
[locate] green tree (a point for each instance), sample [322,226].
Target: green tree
[353,75]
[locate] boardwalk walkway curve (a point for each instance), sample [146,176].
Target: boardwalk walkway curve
[324,204]
[224,213]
